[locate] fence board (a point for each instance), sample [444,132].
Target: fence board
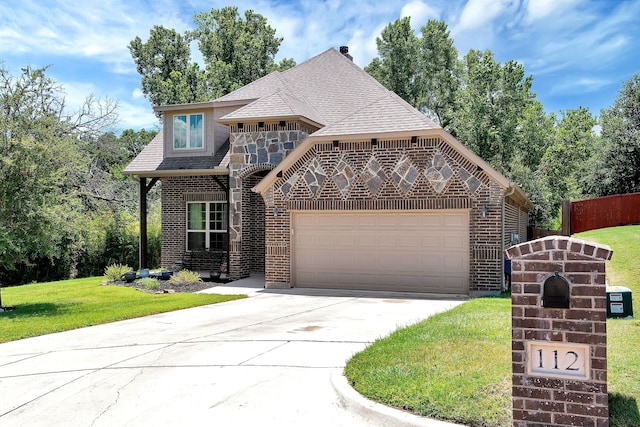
[610,211]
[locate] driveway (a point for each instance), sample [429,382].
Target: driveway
[274,359]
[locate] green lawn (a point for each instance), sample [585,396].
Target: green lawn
[456,366]
[45,308]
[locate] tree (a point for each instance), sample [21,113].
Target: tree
[42,163]
[439,70]
[491,104]
[563,164]
[235,51]
[614,166]
[164,62]
[397,67]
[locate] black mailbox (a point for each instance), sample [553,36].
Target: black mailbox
[556,292]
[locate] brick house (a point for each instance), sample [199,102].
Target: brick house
[321,177]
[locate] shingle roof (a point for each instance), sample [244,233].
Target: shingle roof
[328,89]
[149,158]
[196,162]
[389,113]
[281,104]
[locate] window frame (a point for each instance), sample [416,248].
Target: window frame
[210,225]
[188,131]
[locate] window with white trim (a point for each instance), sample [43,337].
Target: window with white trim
[206,225]
[188,131]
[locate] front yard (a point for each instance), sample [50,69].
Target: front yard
[44,308]
[456,366]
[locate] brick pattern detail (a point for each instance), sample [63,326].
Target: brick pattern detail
[391,175]
[555,401]
[176,192]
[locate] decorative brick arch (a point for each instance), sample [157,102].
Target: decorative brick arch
[250,170]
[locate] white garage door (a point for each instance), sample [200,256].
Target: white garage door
[426,251]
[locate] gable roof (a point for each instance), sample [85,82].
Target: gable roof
[326,89]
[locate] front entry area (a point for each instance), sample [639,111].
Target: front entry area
[408,251]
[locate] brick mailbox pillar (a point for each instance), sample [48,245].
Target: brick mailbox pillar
[559,333]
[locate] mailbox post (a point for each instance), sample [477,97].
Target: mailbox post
[559,336]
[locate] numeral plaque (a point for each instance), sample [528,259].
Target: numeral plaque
[559,360]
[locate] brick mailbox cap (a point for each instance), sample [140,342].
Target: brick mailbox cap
[560,243]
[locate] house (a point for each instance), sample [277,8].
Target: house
[321,177]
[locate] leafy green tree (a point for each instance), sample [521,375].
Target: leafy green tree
[235,51]
[439,70]
[42,163]
[164,62]
[491,105]
[614,167]
[397,67]
[564,162]
[424,71]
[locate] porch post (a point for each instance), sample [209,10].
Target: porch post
[143,223]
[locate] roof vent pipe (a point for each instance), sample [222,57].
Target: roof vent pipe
[345,51]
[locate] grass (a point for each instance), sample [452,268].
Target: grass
[623,335]
[456,366]
[45,308]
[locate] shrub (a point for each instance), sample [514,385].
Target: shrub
[184,277]
[150,283]
[114,272]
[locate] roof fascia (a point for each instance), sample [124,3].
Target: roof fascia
[201,105]
[179,172]
[270,118]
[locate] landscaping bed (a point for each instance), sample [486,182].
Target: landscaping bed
[166,286]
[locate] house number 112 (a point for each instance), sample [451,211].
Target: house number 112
[561,360]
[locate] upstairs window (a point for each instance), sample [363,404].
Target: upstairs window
[188,132]
[206,225]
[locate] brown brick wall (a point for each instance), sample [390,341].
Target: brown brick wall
[539,400]
[393,175]
[176,192]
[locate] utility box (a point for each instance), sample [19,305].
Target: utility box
[619,302]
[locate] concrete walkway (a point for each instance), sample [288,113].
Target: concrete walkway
[274,359]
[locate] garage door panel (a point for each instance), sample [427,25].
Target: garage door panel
[403,251]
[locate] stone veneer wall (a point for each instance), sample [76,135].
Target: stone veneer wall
[391,175]
[176,192]
[254,149]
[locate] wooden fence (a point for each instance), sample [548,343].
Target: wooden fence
[610,211]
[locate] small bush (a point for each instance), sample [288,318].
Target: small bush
[184,277]
[114,272]
[150,283]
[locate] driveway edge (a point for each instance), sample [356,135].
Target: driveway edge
[377,413]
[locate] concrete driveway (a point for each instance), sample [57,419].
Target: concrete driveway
[274,359]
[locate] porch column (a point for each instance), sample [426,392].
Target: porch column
[143,224]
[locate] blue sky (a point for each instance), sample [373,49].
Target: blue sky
[578,51]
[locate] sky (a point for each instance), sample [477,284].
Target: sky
[579,52]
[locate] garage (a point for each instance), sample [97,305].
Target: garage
[409,251]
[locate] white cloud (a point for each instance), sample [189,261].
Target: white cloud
[134,116]
[419,12]
[479,13]
[137,93]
